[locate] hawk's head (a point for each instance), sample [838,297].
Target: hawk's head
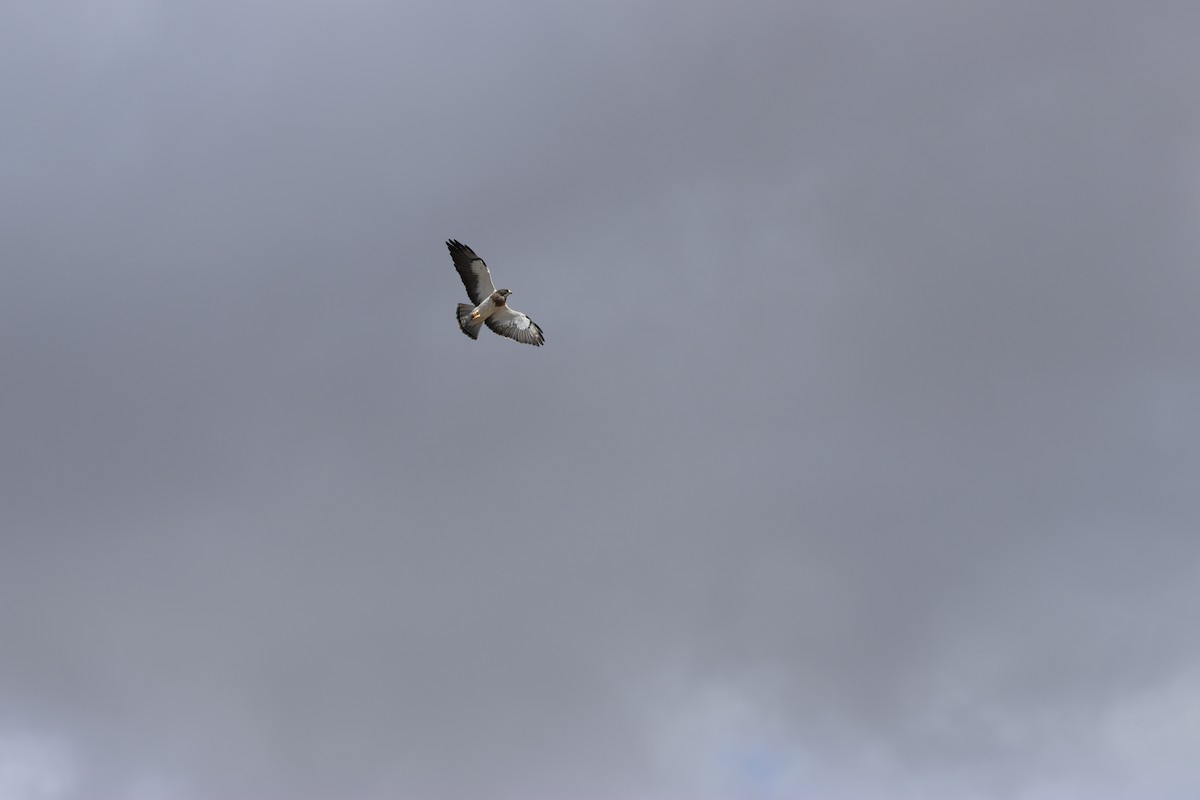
[501,296]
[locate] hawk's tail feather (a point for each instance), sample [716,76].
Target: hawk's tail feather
[464,321]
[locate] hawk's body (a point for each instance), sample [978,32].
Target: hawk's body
[491,305]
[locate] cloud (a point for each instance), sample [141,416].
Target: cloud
[34,768]
[870,473]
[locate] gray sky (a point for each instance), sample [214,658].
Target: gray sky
[861,461]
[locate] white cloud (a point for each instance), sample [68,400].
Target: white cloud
[34,768]
[1154,735]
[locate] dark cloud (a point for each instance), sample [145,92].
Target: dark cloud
[872,473]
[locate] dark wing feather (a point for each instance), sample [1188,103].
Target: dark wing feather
[516,326]
[474,273]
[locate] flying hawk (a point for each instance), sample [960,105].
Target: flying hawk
[491,305]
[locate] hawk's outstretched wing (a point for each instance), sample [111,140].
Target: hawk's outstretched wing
[516,326]
[474,273]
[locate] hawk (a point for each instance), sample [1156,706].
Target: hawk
[491,304]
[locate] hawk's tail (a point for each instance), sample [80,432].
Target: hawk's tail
[464,321]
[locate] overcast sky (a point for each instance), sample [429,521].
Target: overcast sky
[862,461]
